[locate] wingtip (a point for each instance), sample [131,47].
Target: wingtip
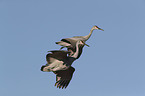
[60,86]
[42,67]
[56,42]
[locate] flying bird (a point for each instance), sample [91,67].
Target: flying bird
[71,42]
[60,61]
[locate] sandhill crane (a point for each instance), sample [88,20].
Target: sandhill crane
[71,42]
[59,62]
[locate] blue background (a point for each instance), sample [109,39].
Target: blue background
[113,65]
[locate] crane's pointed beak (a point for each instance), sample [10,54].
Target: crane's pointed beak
[100,29]
[86,44]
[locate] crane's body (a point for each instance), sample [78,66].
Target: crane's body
[60,61]
[71,42]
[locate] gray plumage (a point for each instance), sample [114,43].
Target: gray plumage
[71,42]
[60,61]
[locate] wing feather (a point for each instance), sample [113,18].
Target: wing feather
[56,54]
[63,77]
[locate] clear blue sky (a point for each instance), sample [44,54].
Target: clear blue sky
[113,65]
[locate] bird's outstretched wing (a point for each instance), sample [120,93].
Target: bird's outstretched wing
[64,43]
[56,54]
[67,42]
[71,41]
[63,77]
[59,51]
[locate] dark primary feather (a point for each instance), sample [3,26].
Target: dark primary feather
[56,54]
[70,41]
[63,77]
[65,40]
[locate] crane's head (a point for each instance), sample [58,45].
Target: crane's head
[96,27]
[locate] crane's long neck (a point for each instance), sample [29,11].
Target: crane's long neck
[76,54]
[88,36]
[80,51]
